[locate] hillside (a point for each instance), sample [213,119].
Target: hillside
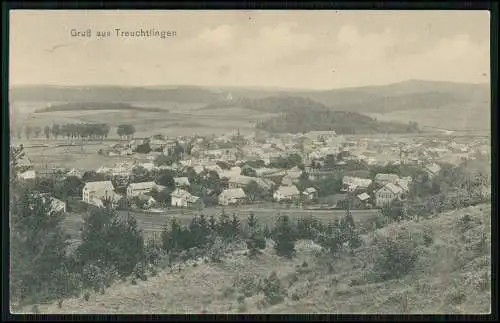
[467,104]
[303,115]
[181,94]
[451,275]
[91,106]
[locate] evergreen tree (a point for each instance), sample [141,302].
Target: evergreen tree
[235,225]
[37,244]
[252,223]
[224,225]
[284,237]
[212,224]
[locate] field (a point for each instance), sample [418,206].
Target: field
[450,276]
[179,119]
[152,223]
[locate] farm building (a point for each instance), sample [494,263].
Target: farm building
[182,198]
[232,196]
[136,189]
[286,193]
[97,190]
[310,193]
[388,194]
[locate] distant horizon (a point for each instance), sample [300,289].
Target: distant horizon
[303,49]
[255,87]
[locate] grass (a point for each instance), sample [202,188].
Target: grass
[449,277]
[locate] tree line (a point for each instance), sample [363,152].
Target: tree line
[92,131]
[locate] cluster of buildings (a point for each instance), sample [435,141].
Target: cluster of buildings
[248,160]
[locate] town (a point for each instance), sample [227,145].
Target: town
[315,170]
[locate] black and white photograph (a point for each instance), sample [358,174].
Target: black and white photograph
[250,162]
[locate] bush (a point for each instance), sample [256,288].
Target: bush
[397,256]
[428,238]
[272,289]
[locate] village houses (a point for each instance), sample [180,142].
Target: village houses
[181,182]
[286,193]
[136,189]
[310,193]
[96,192]
[182,198]
[232,196]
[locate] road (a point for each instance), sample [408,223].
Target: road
[152,223]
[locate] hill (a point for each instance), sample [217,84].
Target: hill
[90,106]
[181,94]
[450,275]
[425,102]
[303,115]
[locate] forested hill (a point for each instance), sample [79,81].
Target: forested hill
[302,115]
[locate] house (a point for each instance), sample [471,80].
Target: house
[286,181]
[286,193]
[383,179]
[136,189]
[75,173]
[351,184]
[97,190]
[182,198]
[27,175]
[181,182]
[404,183]
[387,194]
[363,198]
[232,196]
[432,169]
[310,193]
[57,205]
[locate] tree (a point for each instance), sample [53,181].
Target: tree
[140,174]
[224,228]
[145,148]
[253,191]
[223,165]
[92,176]
[27,131]
[38,244]
[46,131]
[37,130]
[252,223]
[247,171]
[113,240]
[19,132]
[284,237]
[235,225]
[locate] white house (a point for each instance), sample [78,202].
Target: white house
[432,170]
[286,193]
[310,193]
[387,194]
[181,182]
[350,183]
[232,196]
[383,179]
[27,175]
[97,190]
[182,198]
[136,189]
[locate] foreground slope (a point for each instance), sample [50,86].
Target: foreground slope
[452,275]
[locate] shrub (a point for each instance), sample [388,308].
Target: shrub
[397,257]
[272,289]
[86,296]
[241,298]
[428,238]
[305,264]
[456,296]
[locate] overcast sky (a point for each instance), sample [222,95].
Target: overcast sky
[294,49]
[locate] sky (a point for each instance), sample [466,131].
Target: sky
[288,49]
